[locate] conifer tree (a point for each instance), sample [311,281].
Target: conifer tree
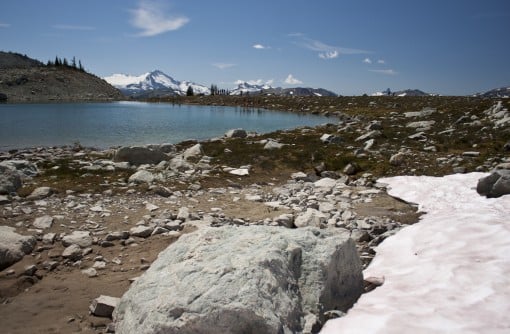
[189,92]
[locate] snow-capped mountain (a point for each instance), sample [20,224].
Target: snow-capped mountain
[155,83]
[244,88]
[503,92]
[407,92]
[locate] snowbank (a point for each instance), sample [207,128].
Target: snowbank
[448,274]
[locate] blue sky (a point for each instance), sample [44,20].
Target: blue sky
[350,47]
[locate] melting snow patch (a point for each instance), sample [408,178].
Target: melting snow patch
[450,273]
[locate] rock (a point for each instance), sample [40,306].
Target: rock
[236,133]
[4,200]
[142,176]
[49,238]
[72,252]
[29,270]
[179,164]
[10,180]
[325,183]
[194,151]
[137,155]
[240,171]
[40,193]
[495,185]
[24,167]
[397,159]
[13,246]
[421,125]
[273,145]
[43,222]
[103,306]
[183,213]
[311,217]
[162,191]
[351,168]
[331,139]
[459,170]
[80,238]
[423,113]
[151,207]
[506,147]
[369,135]
[117,236]
[299,176]
[90,272]
[141,231]
[254,279]
[286,219]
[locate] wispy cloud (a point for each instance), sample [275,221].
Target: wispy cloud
[325,49]
[386,72]
[150,18]
[329,55]
[367,61]
[223,66]
[290,80]
[72,27]
[381,61]
[260,46]
[4,25]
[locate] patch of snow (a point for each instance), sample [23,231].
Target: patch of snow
[123,80]
[450,273]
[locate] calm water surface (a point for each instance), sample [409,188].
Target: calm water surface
[105,125]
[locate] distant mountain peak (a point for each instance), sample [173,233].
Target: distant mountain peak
[154,83]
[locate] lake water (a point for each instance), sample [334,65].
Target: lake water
[104,125]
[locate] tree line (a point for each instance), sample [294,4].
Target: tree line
[63,62]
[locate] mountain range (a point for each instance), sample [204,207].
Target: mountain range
[159,84]
[407,92]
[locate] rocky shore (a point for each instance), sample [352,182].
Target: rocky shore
[274,222]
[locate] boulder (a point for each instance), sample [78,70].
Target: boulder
[72,252]
[236,133]
[273,145]
[40,193]
[43,222]
[10,180]
[103,306]
[142,176]
[138,155]
[495,185]
[80,238]
[141,231]
[255,279]
[311,217]
[397,159]
[24,167]
[13,246]
[194,151]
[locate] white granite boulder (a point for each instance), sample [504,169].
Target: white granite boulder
[13,246]
[255,279]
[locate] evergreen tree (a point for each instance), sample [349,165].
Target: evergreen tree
[80,66]
[73,62]
[65,63]
[189,92]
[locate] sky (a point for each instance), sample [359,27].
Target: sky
[450,47]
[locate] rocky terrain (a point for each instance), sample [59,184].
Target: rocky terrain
[23,79]
[78,223]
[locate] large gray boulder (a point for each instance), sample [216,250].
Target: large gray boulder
[10,180]
[138,155]
[13,246]
[24,167]
[255,279]
[496,184]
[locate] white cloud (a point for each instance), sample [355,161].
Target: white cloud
[290,80]
[329,55]
[260,46]
[150,18]
[367,61]
[381,61]
[72,27]
[387,72]
[4,25]
[223,66]
[258,82]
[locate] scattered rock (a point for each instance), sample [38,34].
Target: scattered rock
[236,133]
[43,222]
[194,151]
[141,231]
[10,180]
[81,238]
[90,272]
[273,145]
[495,185]
[397,159]
[40,193]
[13,246]
[103,306]
[72,252]
[137,155]
[240,171]
[142,176]
[311,217]
[351,168]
